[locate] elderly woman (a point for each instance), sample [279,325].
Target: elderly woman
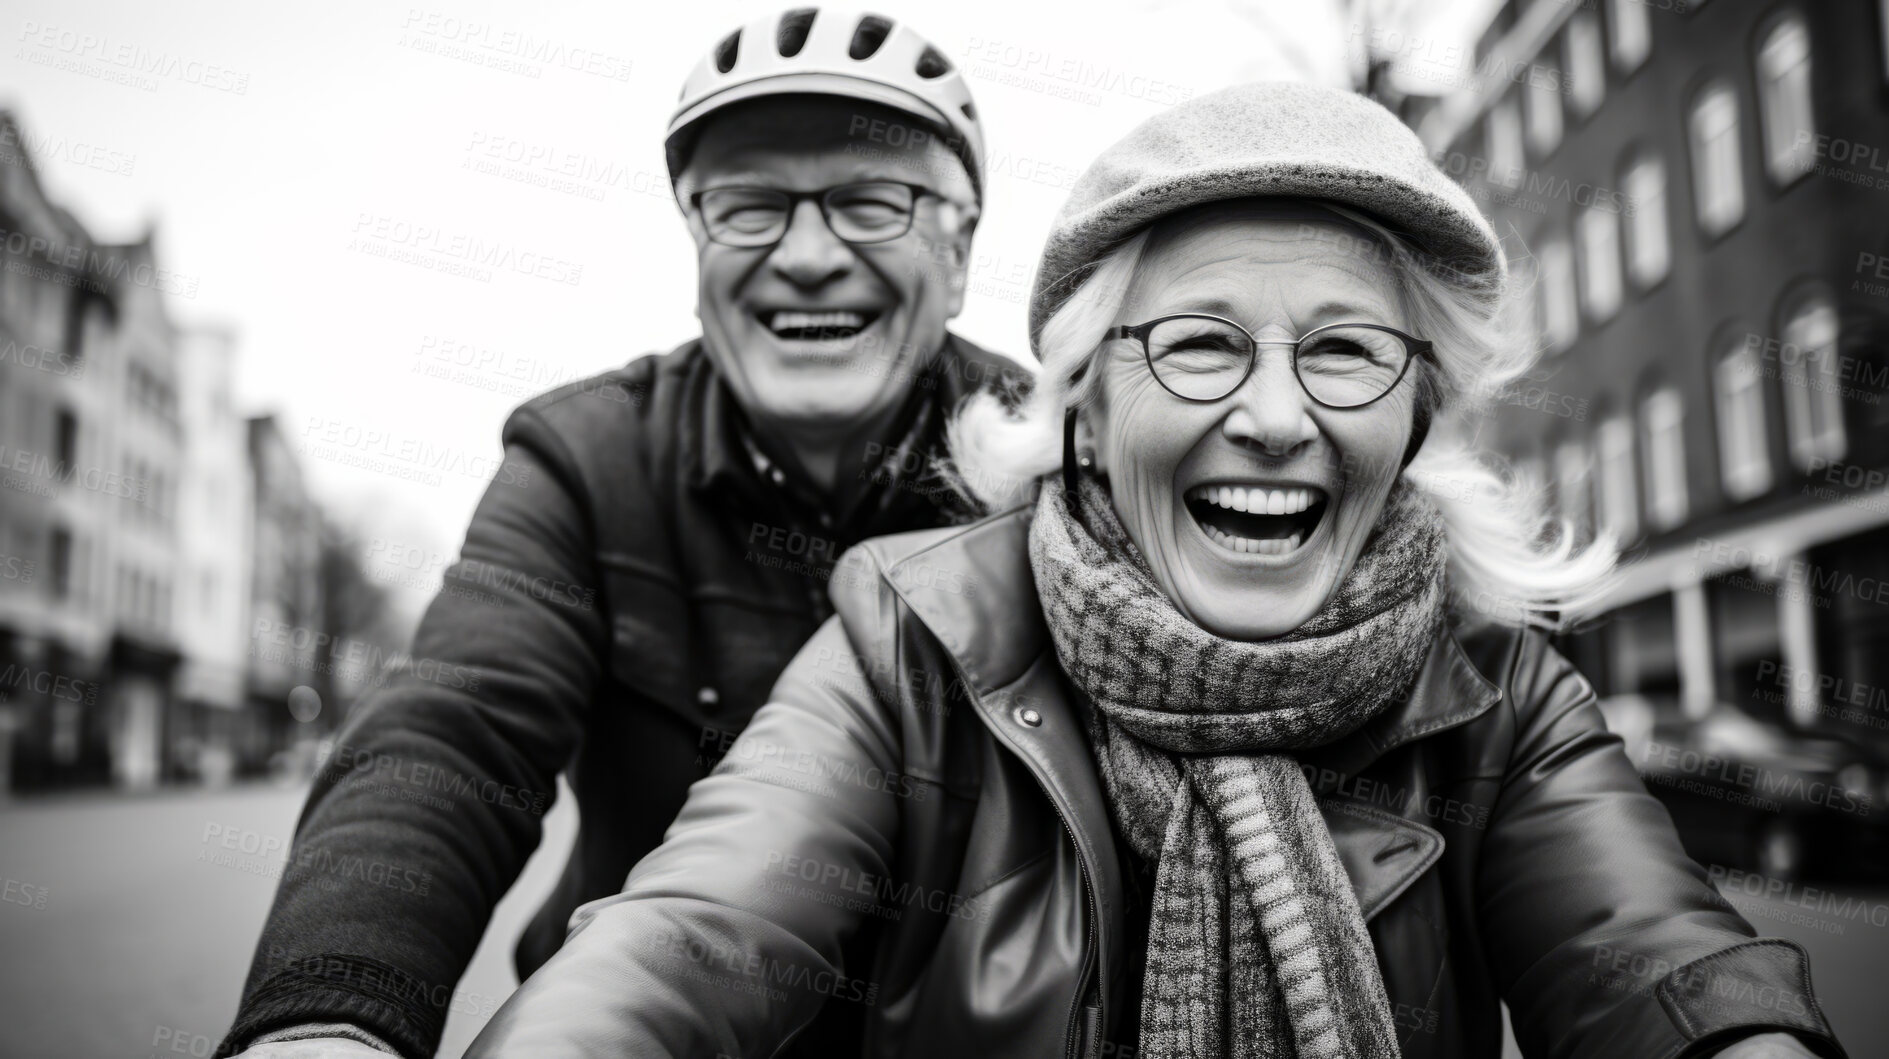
[1240,738]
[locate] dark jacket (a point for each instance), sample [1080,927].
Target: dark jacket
[633,582]
[922,769]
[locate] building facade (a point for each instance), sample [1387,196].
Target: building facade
[145,525]
[53,628]
[216,516]
[1696,197]
[285,622]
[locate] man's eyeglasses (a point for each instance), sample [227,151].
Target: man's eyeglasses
[1197,357]
[753,217]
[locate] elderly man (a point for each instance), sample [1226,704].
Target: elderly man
[659,541]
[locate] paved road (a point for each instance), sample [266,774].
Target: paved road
[141,945]
[118,940]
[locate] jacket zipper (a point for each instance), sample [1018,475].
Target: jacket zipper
[1074,1037]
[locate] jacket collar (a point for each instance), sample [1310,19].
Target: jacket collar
[721,454]
[1449,691]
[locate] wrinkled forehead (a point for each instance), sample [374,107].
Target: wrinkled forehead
[808,142]
[1288,254]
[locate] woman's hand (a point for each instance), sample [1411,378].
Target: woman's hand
[1768,1046]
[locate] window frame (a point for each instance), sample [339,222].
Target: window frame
[1809,437]
[1594,219]
[1617,470]
[1573,462]
[1785,162]
[1665,498]
[1743,425]
[1584,26]
[1555,270]
[1641,219]
[1703,156]
[1641,18]
[1541,97]
[1504,143]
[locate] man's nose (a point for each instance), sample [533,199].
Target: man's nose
[1270,408]
[809,254]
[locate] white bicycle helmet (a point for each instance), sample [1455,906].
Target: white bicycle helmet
[832,51]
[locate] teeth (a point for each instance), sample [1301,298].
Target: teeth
[784,320]
[1257,501]
[1249,546]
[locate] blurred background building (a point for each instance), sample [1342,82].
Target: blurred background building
[147,527]
[1698,195]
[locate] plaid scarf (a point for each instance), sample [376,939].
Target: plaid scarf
[1256,946]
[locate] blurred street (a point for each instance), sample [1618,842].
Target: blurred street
[141,947]
[155,981]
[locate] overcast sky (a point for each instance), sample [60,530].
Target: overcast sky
[290,154]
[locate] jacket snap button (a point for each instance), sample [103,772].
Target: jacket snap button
[1028,716]
[707,696]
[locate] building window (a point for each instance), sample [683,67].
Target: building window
[1586,69]
[1573,491]
[1784,100]
[1600,261]
[65,442]
[1560,318]
[1718,186]
[1504,147]
[1523,276]
[1542,103]
[1743,441]
[1813,386]
[1882,21]
[61,563]
[1618,481]
[1633,33]
[1649,244]
[1663,415]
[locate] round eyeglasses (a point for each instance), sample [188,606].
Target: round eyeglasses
[753,217]
[1198,357]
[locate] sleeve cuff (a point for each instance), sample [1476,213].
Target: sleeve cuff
[1754,987]
[381,999]
[315,1030]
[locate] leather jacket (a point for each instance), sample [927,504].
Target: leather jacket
[921,776]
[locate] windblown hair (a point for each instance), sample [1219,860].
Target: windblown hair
[1509,561]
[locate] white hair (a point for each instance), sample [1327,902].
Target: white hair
[1510,562]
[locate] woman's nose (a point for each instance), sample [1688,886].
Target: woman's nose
[809,254]
[1270,409]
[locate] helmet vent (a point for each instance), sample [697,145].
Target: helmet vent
[970,112]
[932,64]
[795,25]
[871,33]
[726,51]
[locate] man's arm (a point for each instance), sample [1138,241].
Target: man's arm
[433,797]
[728,938]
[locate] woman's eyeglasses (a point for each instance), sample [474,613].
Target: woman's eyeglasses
[1197,357]
[752,217]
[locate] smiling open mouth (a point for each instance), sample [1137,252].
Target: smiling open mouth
[832,326]
[1257,521]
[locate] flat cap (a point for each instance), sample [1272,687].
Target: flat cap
[1267,138]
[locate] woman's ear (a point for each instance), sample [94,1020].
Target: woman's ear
[1427,399]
